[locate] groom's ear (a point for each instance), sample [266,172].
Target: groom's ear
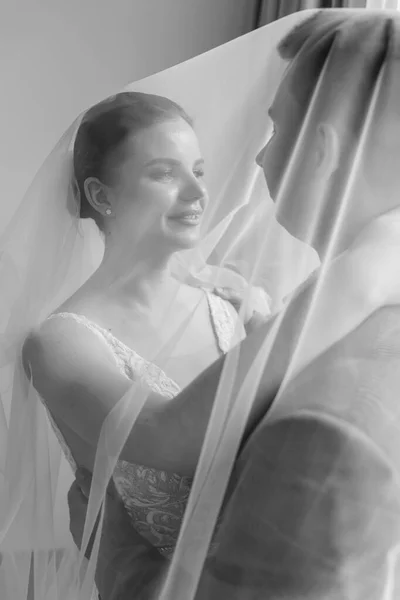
[327,151]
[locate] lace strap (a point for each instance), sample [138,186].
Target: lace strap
[223,321]
[118,352]
[130,363]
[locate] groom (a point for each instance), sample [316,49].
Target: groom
[314,500]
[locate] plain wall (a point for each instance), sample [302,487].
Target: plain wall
[59,57]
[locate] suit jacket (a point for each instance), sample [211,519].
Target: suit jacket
[314,503]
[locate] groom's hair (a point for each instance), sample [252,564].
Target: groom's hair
[344,53]
[348,63]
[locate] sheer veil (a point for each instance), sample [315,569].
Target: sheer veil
[47,253]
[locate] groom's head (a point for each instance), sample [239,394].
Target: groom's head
[336,115]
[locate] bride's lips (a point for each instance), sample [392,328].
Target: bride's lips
[187,217]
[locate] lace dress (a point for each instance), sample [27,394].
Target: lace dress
[155,500]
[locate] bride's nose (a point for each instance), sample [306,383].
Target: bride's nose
[193,190]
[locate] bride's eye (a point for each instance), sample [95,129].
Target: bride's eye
[199,173]
[163,175]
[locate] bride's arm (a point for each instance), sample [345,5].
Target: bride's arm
[80,383]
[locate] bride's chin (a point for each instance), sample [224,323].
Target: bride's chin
[186,244]
[184,240]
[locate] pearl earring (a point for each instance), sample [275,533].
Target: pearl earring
[108,212]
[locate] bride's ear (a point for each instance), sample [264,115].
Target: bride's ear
[97,194]
[327,151]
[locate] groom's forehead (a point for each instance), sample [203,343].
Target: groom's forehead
[289,103]
[301,79]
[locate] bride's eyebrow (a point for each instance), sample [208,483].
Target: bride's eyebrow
[171,161]
[165,160]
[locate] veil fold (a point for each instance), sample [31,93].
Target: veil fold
[46,253]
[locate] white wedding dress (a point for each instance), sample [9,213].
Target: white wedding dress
[155,500]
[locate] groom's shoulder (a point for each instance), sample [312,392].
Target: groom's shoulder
[354,385]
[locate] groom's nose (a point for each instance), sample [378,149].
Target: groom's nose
[260,157]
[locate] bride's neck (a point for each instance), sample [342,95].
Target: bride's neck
[134,279]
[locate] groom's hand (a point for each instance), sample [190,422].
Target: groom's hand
[258,305]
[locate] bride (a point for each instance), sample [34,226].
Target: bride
[139,175]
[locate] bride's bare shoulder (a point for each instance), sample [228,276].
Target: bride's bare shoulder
[63,346]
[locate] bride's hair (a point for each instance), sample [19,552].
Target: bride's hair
[101,137]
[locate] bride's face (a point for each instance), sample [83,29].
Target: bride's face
[159,191]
